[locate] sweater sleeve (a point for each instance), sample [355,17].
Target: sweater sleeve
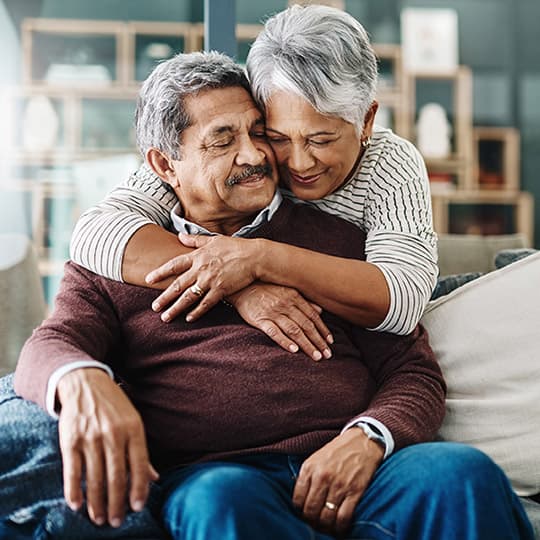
[400,238]
[410,400]
[83,328]
[102,232]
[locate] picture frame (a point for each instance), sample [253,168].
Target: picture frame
[430,39]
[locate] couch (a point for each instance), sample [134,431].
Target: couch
[485,336]
[22,305]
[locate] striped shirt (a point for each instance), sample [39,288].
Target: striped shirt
[388,198]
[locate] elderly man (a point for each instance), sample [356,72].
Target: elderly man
[250,441]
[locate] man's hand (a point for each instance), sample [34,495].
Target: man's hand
[286,317]
[338,473]
[102,437]
[220,266]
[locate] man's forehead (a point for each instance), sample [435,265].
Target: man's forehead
[230,123]
[219,110]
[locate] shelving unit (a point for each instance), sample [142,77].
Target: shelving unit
[466,199]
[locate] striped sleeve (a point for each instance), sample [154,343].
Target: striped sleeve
[102,232]
[400,238]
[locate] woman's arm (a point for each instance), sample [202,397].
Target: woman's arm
[221,266]
[108,237]
[124,238]
[400,238]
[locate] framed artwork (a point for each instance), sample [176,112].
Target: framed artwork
[429,39]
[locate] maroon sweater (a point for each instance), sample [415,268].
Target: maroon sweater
[219,387]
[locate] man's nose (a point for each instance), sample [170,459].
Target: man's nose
[249,153]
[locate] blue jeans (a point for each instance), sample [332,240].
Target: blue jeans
[432,491]
[437,491]
[32,504]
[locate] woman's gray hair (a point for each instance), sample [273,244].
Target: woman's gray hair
[320,53]
[161,116]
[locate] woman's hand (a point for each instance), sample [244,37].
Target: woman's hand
[217,268]
[286,317]
[337,474]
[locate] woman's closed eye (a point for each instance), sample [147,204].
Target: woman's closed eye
[321,142]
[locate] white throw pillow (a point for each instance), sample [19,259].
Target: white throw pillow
[486,336]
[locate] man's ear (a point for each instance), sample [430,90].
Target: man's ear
[369,119]
[162,165]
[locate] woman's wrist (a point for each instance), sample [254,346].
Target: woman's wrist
[259,255]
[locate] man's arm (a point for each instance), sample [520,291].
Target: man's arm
[409,402]
[411,391]
[100,431]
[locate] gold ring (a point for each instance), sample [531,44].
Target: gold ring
[196,290]
[331,506]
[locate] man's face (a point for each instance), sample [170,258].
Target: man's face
[227,171]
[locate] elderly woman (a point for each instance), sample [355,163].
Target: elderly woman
[314,73]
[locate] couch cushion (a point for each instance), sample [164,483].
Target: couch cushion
[460,253]
[486,336]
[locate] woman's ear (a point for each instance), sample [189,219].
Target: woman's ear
[369,120]
[163,166]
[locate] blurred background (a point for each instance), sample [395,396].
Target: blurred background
[459,78]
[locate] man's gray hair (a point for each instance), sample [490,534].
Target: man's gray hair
[320,53]
[161,116]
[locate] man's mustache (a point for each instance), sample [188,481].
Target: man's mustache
[255,170]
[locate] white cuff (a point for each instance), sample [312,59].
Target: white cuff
[52,384]
[385,432]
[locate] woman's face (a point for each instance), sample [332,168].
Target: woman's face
[315,153]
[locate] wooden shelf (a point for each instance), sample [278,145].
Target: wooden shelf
[393,90]
[522,204]
[496,158]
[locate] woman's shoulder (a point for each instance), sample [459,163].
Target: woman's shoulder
[385,142]
[389,154]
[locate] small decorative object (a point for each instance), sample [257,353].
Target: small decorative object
[433,131]
[150,55]
[429,39]
[441,183]
[79,67]
[40,125]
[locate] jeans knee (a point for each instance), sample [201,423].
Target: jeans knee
[455,465]
[214,491]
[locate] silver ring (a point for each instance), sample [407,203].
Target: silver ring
[196,290]
[331,506]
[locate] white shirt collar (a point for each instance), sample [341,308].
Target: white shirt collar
[188,227]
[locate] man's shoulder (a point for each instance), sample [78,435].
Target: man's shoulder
[77,275]
[82,282]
